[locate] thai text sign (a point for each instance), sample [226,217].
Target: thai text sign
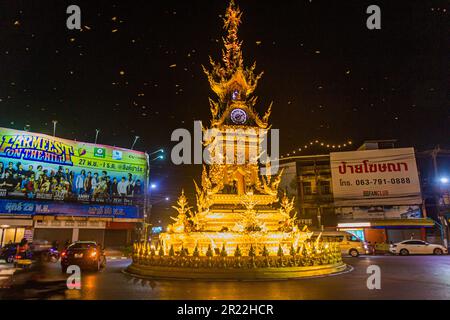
[382,176]
[32,208]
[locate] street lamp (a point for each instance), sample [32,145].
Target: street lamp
[159,150]
[158,157]
[134,142]
[444,180]
[54,127]
[97,131]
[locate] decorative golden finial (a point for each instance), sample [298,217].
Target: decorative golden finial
[232,55]
[231,77]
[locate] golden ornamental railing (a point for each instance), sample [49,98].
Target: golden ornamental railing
[307,254]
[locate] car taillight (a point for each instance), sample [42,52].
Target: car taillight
[17,257]
[63,254]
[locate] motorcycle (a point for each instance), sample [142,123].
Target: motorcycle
[23,260]
[52,255]
[36,282]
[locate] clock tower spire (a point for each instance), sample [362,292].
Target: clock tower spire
[232,82]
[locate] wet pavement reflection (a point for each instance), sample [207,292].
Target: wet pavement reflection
[412,277]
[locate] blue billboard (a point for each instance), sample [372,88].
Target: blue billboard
[19,207]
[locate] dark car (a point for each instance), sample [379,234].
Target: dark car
[8,252]
[88,255]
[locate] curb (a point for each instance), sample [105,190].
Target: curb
[137,272]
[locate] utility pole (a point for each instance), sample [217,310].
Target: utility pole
[442,225]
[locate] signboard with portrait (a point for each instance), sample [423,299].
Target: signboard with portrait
[375,177]
[44,168]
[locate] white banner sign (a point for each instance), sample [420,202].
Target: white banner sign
[383,177]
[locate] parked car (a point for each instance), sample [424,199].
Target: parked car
[8,252]
[407,247]
[85,254]
[349,243]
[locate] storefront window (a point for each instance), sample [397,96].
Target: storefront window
[11,235]
[325,187]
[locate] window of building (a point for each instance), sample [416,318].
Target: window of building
[307,188]
[325,187]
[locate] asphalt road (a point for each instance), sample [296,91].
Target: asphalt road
[411,277]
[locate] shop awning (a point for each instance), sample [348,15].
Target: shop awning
[16,222]
[425,222]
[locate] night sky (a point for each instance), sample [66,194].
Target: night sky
[135,69]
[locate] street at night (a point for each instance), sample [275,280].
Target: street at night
[401,278]
[189,152]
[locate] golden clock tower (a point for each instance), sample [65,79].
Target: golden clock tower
[240,228]
[232,195]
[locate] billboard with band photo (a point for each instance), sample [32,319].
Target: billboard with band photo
[36,166]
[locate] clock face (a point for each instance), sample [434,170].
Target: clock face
[238,116]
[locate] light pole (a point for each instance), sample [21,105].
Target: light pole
[444,186]
[134,142]
[97,131]
[147,223]
[147,201]
[54,127]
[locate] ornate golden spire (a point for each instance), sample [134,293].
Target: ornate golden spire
[230,80]
[232,55]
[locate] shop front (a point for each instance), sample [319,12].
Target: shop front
[14,229]
[66,229]
[108,225]
[388,230]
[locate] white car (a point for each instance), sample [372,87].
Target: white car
[407,247]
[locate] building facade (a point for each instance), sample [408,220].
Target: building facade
[434,167]
[373,192]
[60,190]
